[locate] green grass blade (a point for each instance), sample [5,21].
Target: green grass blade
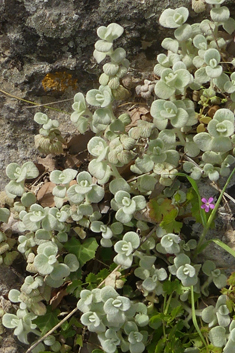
[224,246]
[195,188]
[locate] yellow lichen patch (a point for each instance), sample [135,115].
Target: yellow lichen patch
[201,128]
[59,82]
[205,119]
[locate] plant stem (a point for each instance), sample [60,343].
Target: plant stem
[66,317]
[180,136]
[30,102]
[212,215]
[115,171]
[167,304]
[195,319]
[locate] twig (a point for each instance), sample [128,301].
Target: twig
[44,105]
[66,317]
[225,193]
[52,330]
[37,104]
[76,309]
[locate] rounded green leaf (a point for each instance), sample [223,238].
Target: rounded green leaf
[208,266]
[15,189]
[183,32]
[96,194]
[110,69]
[221,144]
[99,56]
[28,199]
[111,32]
[31,170]
[173,18]
[123,217]
[60,271]
[200,42]
[203,140]
[4,215]
[229,25]
[103,47]
[72,262]
[123,260]
[220,14]
[42,265]
[212,54]
[41,118]
[73,196]
[10,320]
[133,238]
[162,90]
[118,55]
[170,44]
[201,76]
[217,336]
[214,72]
[13,295]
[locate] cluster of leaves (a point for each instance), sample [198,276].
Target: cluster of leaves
[138,226]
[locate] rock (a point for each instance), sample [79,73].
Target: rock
[46,56]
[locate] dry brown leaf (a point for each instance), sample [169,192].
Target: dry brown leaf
[213,110]
[71,161]
[44,195]
[139,113]
[58,295]
[48,162]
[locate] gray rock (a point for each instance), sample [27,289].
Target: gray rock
[57,36]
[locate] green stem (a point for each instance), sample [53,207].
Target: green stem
[115,171]
[180,135]
[212,215]
[33,103]
[167,304]
[195,319]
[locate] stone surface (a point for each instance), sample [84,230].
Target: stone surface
[57,37]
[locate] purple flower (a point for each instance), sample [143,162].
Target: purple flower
[208,204]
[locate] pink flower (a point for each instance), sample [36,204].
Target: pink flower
[208,204]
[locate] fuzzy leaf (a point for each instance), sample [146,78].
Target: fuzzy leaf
[60,271]
[170,44]
[217,336]
[72,262]
[4,215]
[162,90]
[111,32]
[183,32]
[220,14]
[14,188]
[118,184]
[103,47]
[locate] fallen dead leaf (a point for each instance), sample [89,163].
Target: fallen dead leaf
[139,113]
[58,295]
[44,195]
[48,162]
[71,161]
